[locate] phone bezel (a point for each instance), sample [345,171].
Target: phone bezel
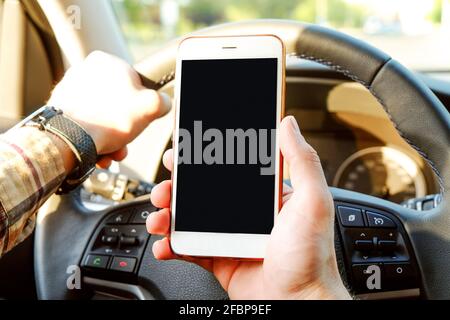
[208,244]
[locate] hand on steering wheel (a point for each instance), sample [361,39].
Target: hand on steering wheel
[300,261]
[106,96]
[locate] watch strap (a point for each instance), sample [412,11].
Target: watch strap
[81,144]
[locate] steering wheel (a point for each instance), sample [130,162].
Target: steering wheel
[411,248]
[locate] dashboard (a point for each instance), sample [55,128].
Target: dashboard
[359,148]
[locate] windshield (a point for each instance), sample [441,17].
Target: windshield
[416,32]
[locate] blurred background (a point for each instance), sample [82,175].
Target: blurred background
[416,32]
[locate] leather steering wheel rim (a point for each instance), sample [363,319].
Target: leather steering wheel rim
[416,113]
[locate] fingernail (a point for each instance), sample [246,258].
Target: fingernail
[294,124]
[167,101]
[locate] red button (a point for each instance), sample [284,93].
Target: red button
[123,264]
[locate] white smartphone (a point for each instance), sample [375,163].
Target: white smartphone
[227,172]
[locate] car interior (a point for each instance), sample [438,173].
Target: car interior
[382,132]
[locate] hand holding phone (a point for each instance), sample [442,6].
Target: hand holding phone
[300,260]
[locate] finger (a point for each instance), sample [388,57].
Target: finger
[160,195]
[158,222]
[168,159]
[304,164]
[119,155]
[104,162]
[153,104]
[163,251]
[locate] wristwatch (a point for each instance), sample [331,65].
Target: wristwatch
[51,119]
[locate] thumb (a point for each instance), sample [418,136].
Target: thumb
[153,104]
[305,171]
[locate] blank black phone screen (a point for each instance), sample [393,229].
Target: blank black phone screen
[226,170]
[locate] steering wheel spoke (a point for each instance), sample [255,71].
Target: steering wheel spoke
[376,252]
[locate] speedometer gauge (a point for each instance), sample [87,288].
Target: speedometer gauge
[382,172]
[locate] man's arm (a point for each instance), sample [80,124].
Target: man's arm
[31,169]
[105,96]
